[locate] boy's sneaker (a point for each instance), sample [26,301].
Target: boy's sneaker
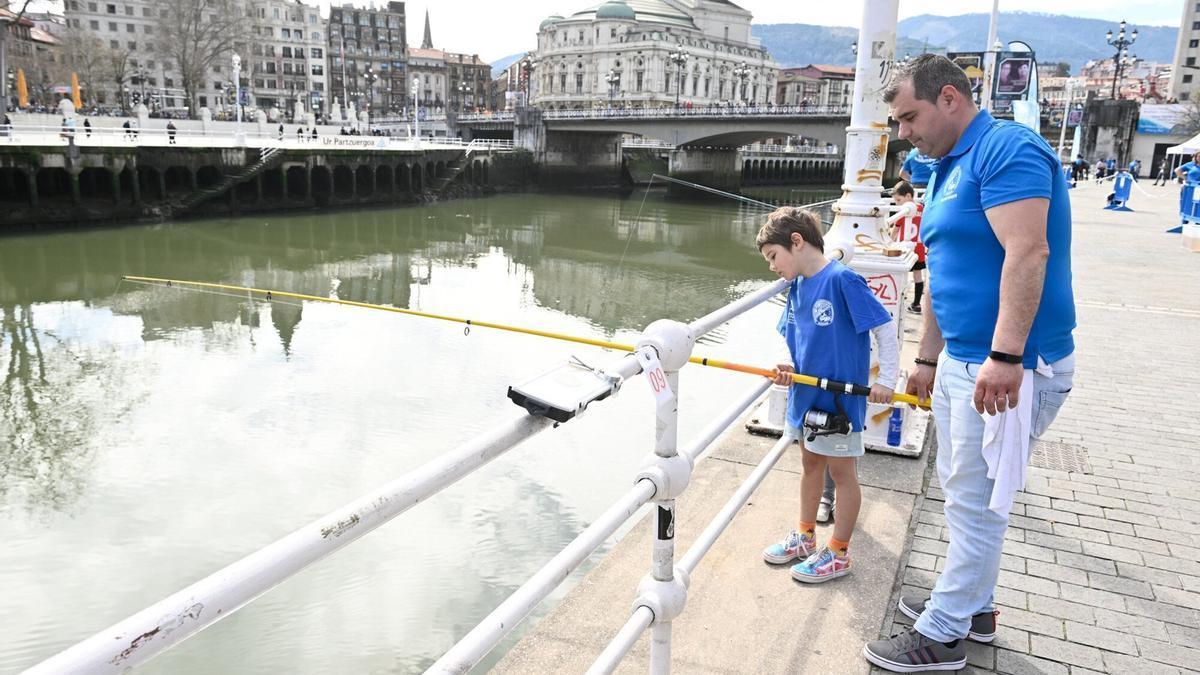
[911,652]
[914,308]
[821,567]
[983,624]
[793,547]
[824,511]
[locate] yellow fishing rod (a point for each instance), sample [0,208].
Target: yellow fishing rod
[798,378]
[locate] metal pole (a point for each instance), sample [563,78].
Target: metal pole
[861,211]
[626,638]
[989,58]
[183,614]
[713,319]
[1062,132]
[663,555]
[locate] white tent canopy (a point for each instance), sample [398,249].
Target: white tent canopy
[1188,147]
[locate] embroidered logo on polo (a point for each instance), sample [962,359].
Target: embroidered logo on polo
[950,190]
[822,312]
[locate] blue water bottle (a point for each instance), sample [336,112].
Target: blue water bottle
[895,424]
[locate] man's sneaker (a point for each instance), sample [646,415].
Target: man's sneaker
[824,511]
[911,652]
[793,547]
[983,624]
[821,567]
[914,308]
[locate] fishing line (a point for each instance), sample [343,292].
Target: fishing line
[798,378]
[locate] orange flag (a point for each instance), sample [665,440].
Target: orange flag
[22,89]
[75,98]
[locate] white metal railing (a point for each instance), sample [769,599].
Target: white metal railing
[664,348]
[767,148]
[252,137]
[674,112]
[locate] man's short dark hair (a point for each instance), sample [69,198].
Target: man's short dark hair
[929,73]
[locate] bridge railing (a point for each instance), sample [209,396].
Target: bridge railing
[252,137]
[663,349]
[715,111]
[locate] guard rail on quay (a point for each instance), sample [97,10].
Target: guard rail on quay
[662,350]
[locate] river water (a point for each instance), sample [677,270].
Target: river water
[150,436]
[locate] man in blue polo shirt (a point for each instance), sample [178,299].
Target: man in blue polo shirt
[997,225]
[918,168]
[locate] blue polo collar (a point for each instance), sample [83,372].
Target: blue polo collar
[982,121]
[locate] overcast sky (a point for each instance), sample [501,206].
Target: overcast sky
[496,29]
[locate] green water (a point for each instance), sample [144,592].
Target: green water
[150,436]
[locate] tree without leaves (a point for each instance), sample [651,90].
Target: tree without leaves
[87,56]
[195,34]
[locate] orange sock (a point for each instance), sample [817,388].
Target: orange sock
[807,529]
[839,547]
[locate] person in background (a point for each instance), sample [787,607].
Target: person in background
[917,169]
[171,132]
[1164,171]
[906,224]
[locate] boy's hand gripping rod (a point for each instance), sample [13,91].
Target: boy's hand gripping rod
[798,378]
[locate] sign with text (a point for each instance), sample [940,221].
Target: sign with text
[1013,72]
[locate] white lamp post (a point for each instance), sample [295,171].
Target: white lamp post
[416,88]
[237,88]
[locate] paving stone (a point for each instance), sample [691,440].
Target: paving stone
[1124,494]
[1075,507]
[1055,542]
[1160,534]
[1165,612]
[1036,500]
[1028,584]
[1057,572]
[1181,551]
[1176,655]
[1013,564]
[1093,597]
[930,546]
[1168,563]
[1132,517]
[1031,621]
[1011,597]
[1008,637]
[1107,582]
[919,578]
[1106,525]
[1026,523]
[1111,552]
[1180,635]
[1131,623]
[1099,500]
[922,561]
[1121,663]
[1151,575]
[1052,515]
[1103,638]
[1062,609]
[1176,596]
[1066,652]
[1015,663]
[981,656]
[1086,562]
[1139,544]
[1030,551]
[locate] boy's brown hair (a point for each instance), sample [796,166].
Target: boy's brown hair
[903,188]
[782,222]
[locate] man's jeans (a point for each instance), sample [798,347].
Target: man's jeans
[976,532]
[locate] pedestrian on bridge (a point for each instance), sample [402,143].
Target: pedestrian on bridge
[87,127]
[996,352]
[825,324]
[171,132]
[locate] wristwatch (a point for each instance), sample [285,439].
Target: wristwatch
[1005,358]
[925,362]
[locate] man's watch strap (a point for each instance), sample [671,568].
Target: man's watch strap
[925,362]
[1006,358]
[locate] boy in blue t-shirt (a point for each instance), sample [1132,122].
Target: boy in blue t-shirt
[826,324]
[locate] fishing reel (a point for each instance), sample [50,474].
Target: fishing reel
[822,423]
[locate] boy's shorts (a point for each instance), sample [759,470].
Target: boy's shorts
[838,445]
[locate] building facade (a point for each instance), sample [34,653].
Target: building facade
[651,53]
[1185,76]
[126,31]
[815,85]
[287,55]
[449,81]
[367,64]
[37,55]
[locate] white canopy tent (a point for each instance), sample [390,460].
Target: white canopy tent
[1188,147]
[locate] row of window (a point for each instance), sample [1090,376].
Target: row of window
[285,33]
[287,52]
[368,19]
[296,17]
[269,68]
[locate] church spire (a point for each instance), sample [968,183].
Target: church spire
[427,43]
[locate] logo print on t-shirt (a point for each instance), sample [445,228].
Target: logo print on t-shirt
[822,312]
[950,189]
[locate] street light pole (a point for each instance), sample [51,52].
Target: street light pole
[678,58]
[416,89]
[1121,44]
[612,78]
[237,89]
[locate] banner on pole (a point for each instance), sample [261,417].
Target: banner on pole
[1013,75]
[971,64]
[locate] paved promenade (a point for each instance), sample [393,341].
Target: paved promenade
[1101,571]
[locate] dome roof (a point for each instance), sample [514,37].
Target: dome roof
[549,21]
[615,9]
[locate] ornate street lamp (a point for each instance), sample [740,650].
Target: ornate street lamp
[678,58]
[613,78]
[370,76]
[464,88]
[528,65]
[742,73]
[1121,44]
[416,89]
